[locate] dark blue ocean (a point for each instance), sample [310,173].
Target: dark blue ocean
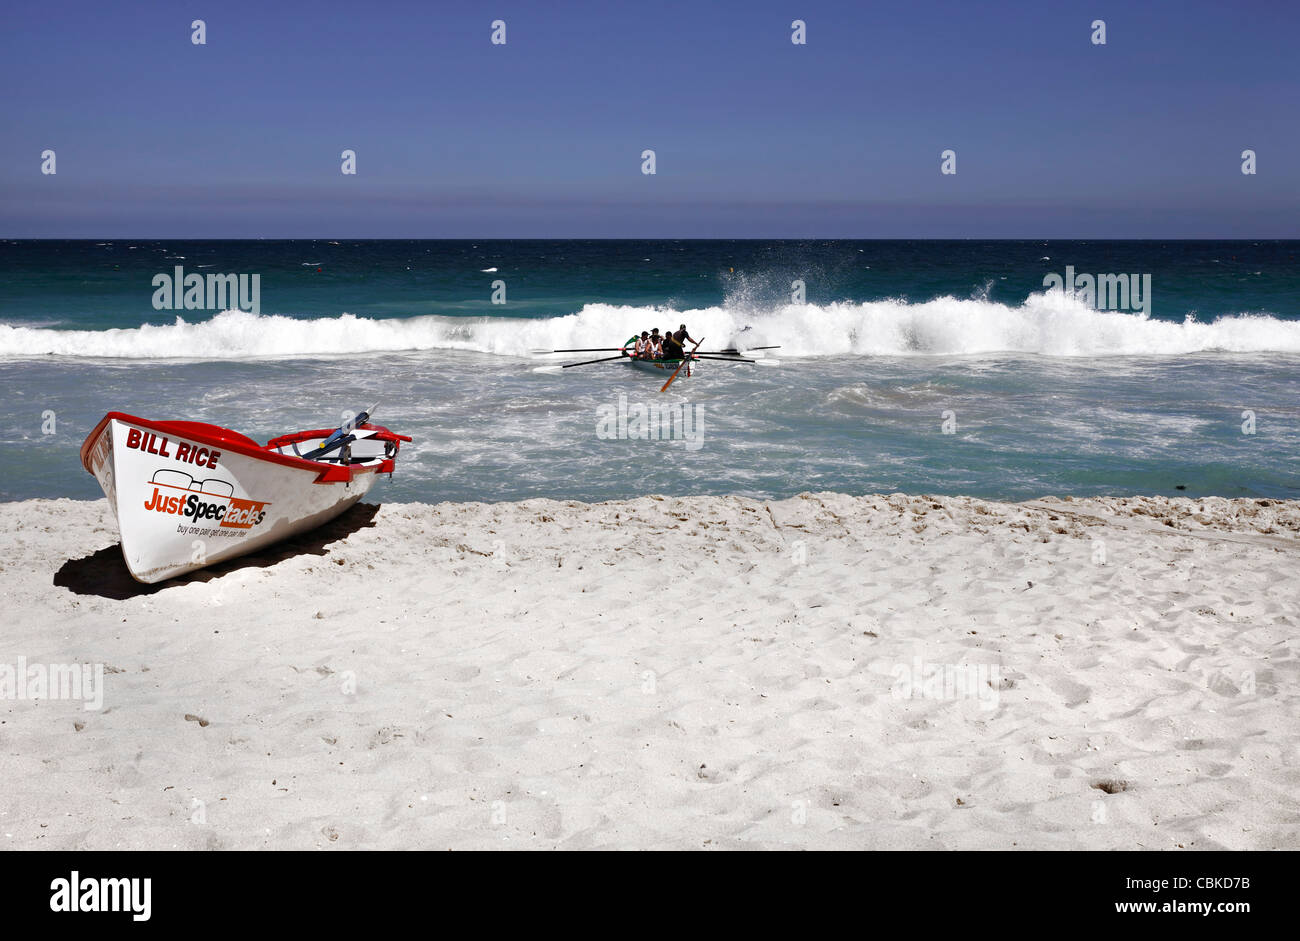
[922,366]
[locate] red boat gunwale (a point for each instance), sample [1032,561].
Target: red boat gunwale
[383,435]
[227,439]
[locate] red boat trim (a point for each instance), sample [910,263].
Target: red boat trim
[227,440]
[90,441]
[383,435]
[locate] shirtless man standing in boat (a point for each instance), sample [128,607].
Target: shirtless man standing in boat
[682,336]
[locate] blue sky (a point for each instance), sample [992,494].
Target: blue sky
[754,136]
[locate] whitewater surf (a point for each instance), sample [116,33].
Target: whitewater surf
[1049,324]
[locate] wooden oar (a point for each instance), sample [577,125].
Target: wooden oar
[739,359]
[590,361]
[685,359]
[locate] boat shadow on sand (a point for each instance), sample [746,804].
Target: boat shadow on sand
[104,573]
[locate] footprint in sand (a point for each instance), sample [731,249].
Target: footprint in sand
[1111,786]
[1074,694]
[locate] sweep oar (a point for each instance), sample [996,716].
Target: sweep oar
[597,349]
[590,361]
[748,349]
[556,366]
[685,359]
[740,359]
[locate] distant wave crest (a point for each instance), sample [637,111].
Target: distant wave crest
[1049,324]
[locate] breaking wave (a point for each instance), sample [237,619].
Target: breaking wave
[1050,324]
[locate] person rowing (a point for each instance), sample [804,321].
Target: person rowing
[642,348]
[672,349]
[656,344]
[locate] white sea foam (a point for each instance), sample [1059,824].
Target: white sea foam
[1047,324]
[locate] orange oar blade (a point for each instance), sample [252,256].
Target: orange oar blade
[685,359]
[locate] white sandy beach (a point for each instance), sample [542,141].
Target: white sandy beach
[713,673]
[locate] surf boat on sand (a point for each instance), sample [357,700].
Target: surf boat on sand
[188,494]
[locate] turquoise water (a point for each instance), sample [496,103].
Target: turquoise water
[97,285]
[1042,394]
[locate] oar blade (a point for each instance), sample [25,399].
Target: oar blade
[685,360]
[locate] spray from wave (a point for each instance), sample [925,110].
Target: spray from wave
[1049,324]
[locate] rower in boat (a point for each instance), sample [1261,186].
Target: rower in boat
[663,355]
[671,348]
[642,348]
[682,336]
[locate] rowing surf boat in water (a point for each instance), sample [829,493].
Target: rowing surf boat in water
[660,367]
[672,368]
[188,494]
